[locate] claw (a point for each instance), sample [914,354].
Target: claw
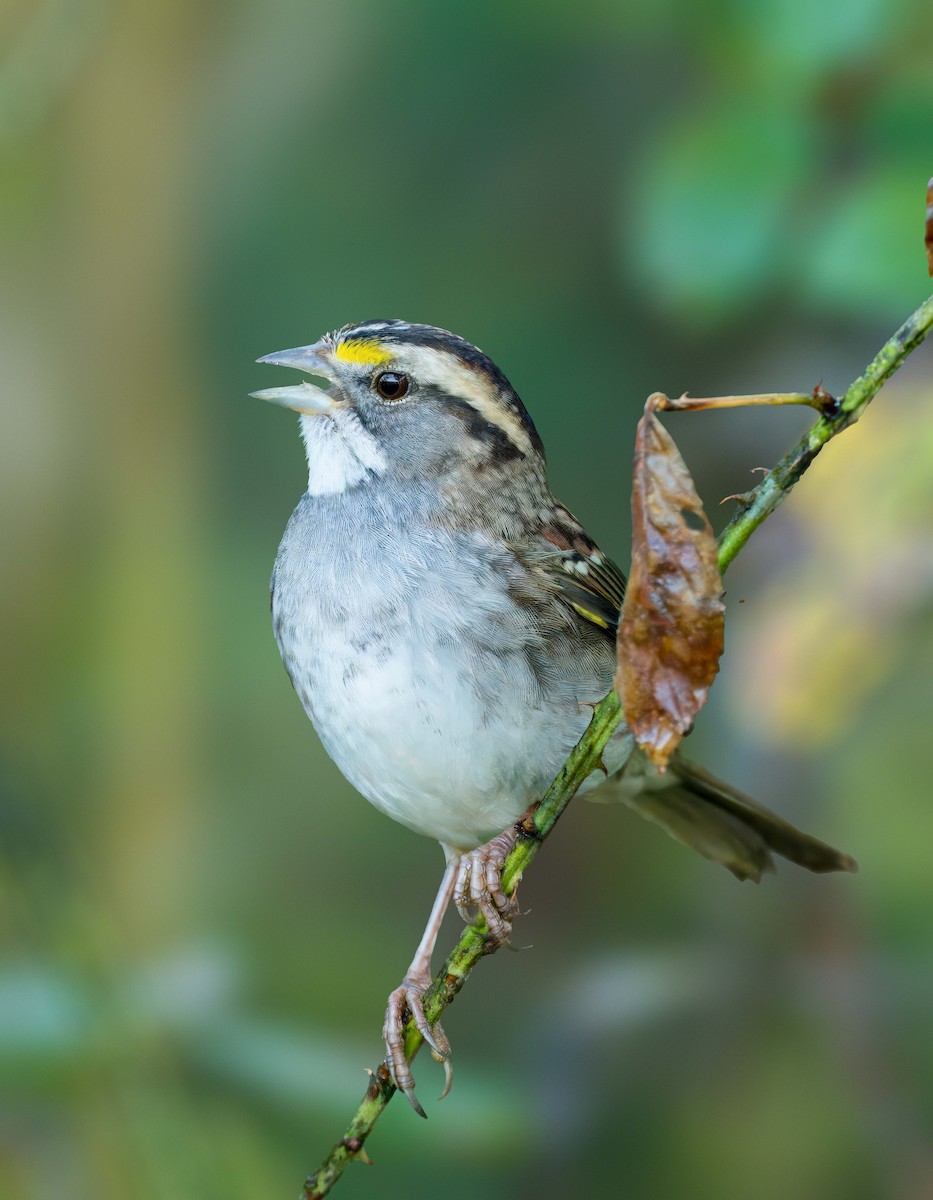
[448,1079]
[414,1101]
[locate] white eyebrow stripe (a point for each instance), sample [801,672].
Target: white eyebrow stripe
[365,331]
[444,370]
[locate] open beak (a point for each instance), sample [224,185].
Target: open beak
[302,397]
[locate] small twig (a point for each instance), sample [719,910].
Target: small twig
[779,482]
[815,399]
[586,756]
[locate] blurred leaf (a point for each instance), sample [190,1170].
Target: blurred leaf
[866,252]
[671,630]
[898,122]
[806,38]
[711,207]
[42,1013]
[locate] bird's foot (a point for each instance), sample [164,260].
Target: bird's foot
[478,888]
[409,998]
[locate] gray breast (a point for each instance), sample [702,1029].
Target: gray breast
[446,703]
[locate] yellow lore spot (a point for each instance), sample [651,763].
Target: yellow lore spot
[368,353]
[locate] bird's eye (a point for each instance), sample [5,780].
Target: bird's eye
[391,386]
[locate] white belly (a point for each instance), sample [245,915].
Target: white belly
[425,696]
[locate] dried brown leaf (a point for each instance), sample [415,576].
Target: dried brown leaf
[671,630]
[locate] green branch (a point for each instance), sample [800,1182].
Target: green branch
[586,756]
[779,482]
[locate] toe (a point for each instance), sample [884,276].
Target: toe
[433,1035]
[478,888]
[500,929]
[462,890]
[408,998]
[393,1036]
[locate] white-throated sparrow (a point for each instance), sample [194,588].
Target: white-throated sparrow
[448,625]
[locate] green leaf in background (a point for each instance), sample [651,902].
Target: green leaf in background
[711,209]
[867,245]
[800,38]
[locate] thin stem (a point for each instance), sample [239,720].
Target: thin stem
[586,756]
[687,403]
[779,482]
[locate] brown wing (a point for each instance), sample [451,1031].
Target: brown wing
[590,583]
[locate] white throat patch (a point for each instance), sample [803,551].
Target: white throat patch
[339,452]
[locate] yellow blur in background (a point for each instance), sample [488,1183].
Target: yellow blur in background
[201,919]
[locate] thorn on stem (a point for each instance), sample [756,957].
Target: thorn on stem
[742,499]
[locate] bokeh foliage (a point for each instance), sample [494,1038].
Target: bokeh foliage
[201,919]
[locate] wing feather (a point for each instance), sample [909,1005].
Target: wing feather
[588,581]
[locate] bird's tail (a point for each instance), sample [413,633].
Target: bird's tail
[717,819]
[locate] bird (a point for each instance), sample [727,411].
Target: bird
[448,626]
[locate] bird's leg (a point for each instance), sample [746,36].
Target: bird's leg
[479,887]
[409,997]
[473,879]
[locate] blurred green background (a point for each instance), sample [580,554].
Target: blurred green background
[201,920]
